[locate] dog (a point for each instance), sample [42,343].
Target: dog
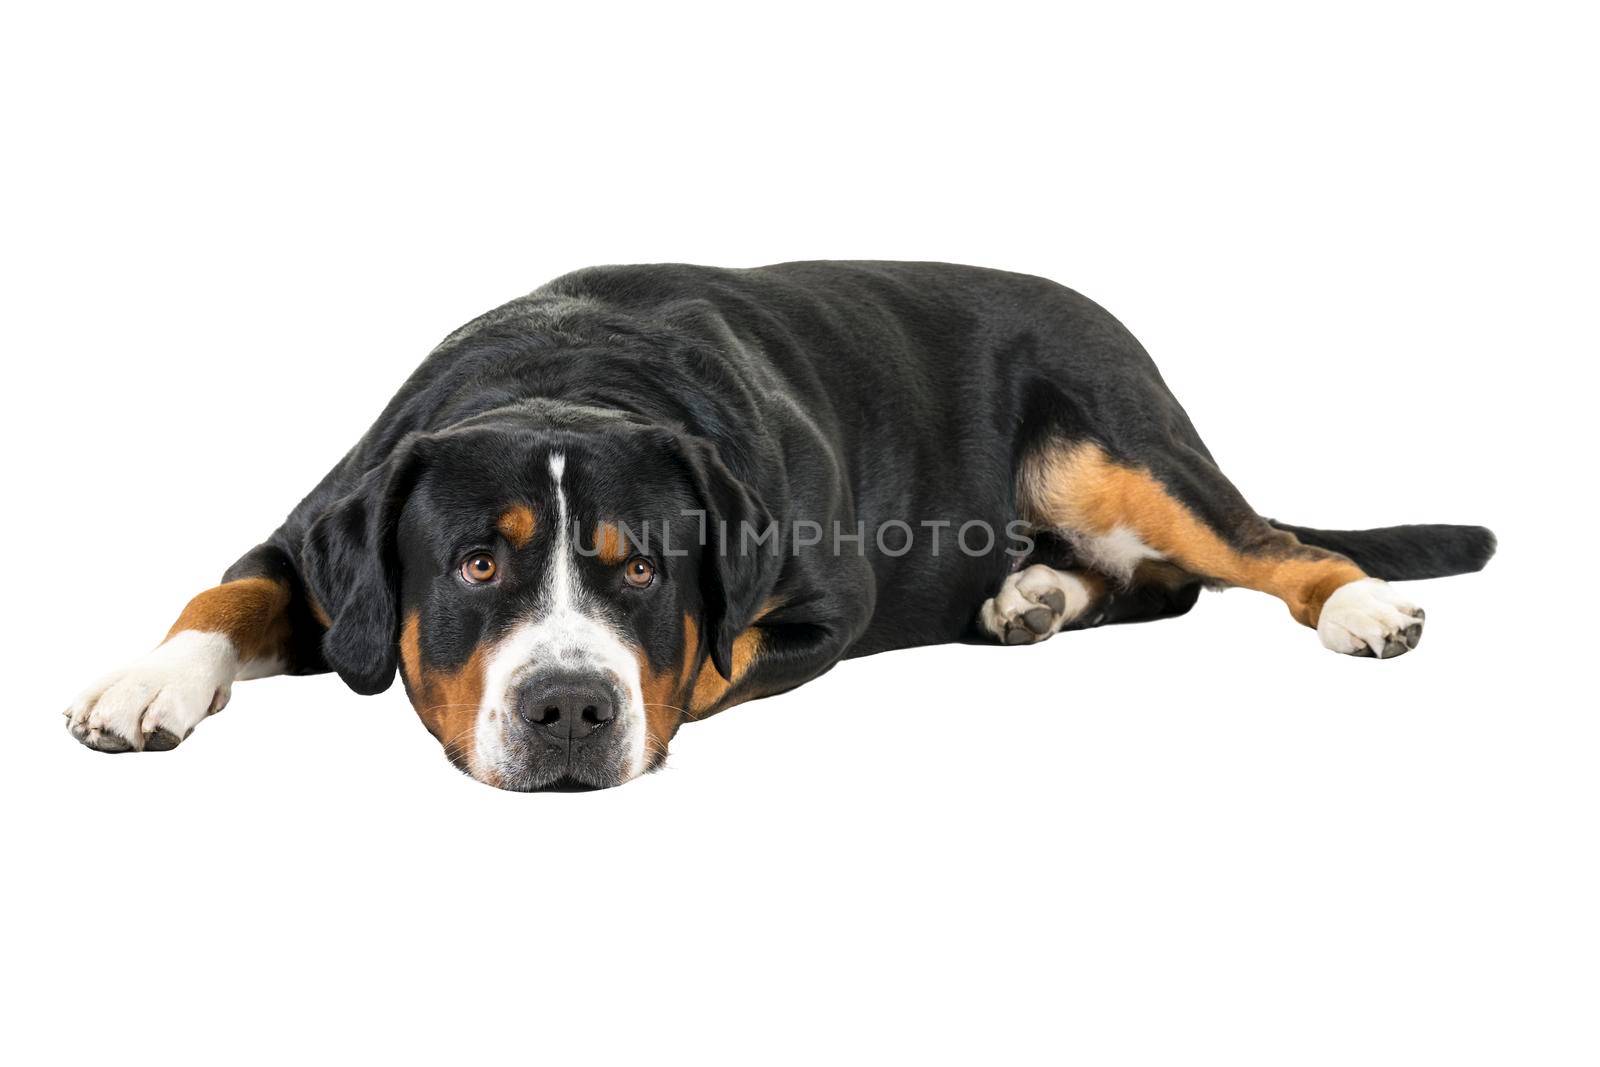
[641,495]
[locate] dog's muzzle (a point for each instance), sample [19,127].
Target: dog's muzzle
[570,730]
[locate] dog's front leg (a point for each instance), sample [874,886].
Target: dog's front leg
[255,624]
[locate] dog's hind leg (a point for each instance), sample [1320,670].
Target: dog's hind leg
[1120,515]
[1045,598]
[1039,601]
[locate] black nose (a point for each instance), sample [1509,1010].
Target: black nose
[566,707]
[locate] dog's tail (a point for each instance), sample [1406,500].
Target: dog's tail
[1397,553]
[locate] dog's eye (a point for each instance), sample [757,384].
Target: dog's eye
[639,572]
[478,568]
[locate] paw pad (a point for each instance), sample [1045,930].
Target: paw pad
[1032,605]
[1368,618]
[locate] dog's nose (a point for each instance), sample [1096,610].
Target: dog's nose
[566,707]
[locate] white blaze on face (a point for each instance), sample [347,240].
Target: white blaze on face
[564,631]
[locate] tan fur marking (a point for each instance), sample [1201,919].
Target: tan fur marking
[516,525]
[663,689]
[694,689]
[610,547]
[710,688]
[446,701]
[250,612]
[317,612]
[1079,488]
[411,651]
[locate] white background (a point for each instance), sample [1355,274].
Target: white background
[1359,240]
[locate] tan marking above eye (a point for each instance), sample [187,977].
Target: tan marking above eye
[479,567]
[516,525]
[639,572]
[610,547]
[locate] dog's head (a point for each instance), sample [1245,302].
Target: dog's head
[554,596]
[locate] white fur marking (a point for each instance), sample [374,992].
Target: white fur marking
[1117,552]
[563,631]
[171,688]
[1367,616]
[1026,591]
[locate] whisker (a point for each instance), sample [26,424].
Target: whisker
[685,712]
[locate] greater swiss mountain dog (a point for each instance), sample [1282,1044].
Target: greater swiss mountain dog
[640,495]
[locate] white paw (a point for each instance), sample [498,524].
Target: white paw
[156,702]
[1368,618]
[1033,604]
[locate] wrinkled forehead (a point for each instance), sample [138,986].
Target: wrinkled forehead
[477,485]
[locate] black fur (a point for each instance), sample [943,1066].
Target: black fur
[352,568]
[833,393]
[739,577]
[1405,553]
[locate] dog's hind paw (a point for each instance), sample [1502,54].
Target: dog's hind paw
[154,704]
[1033,604]
[1367,618]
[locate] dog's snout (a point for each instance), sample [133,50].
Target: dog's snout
[569,707]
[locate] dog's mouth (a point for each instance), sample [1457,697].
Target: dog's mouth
[526,772]
[527,780]
[568,784]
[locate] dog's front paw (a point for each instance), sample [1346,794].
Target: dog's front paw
[1368,618]
[1033,604]
[154,704]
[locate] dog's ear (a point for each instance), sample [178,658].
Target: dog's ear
[351,567]
[737,573]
